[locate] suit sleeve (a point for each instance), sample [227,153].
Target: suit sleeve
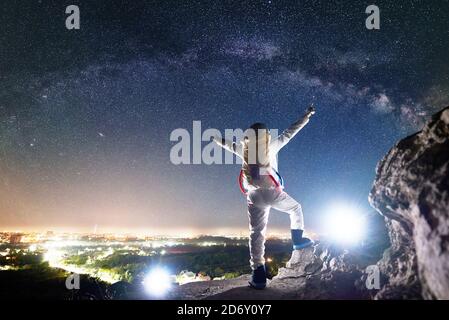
[289,133]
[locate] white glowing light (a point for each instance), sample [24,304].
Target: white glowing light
[53,257]
[157,282]
[345,224]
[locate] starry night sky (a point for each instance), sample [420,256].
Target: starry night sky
[86,115]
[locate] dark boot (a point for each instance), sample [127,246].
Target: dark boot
[259,278]
[299,242]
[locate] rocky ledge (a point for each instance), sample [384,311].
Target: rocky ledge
[318,272]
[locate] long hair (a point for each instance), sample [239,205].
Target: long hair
[256,153]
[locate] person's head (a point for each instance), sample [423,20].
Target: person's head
[256,144]
[256,129]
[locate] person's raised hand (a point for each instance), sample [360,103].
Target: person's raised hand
[310,110]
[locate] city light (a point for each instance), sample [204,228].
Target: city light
[157,282]
[83,253]
[345,224]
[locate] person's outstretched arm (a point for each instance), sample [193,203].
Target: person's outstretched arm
[289,133]
[230,146]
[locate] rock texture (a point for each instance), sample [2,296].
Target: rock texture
[319,272]
[205,289]
[411,191]
[325,272]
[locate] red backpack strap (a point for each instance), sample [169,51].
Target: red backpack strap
[240,182]
[274,181]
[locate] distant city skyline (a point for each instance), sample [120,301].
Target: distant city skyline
[144,232]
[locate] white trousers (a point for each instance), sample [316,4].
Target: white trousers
[260,202]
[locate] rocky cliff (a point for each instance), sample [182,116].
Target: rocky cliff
[411,191]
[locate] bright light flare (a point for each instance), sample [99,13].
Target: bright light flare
[345,224]
[157,282]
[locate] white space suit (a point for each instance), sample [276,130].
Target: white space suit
[262,194]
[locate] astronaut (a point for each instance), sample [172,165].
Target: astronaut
[263,186]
